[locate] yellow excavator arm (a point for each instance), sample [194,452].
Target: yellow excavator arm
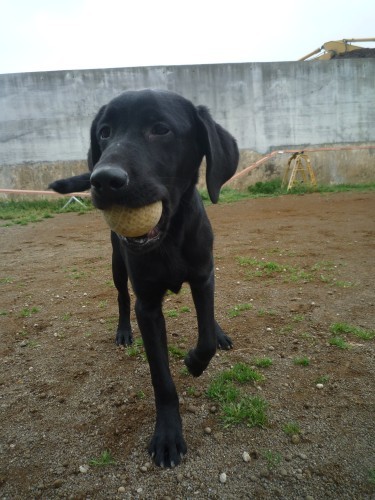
[331,49]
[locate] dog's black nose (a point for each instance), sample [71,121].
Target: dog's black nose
[109,179]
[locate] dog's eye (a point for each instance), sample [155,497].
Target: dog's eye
[159,129]
[105,132]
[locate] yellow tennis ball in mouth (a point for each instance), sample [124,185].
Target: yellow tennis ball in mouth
[133,222]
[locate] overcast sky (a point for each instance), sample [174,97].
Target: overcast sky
[43,35]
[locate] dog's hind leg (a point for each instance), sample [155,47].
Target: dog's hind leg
[120,278]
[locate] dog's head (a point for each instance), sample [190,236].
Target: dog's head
[148,145]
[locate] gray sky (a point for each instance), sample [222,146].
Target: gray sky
[43,35]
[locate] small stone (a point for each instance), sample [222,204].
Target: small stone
[23,343]
[143,468]
[283,472]
[192,409]
[319,386]
[121,489]
[245,456]
[303,456]
[223,478]
[218,436]
[58,483]
[207,430]
[213,409]
[179,477]
[83,469]
[295,439]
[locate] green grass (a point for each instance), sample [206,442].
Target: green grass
[176,352]
[105,459]
[236,407]
[27,312]
[273,459]
[136,348]
[303,361]
[338,342]
[371,476]
[262,362]
[6,281]
[250,410]
[322,379]
[345,328]
[238,309]
[23,212]
[261,268]
[291,428]
[273,188]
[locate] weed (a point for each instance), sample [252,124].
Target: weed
[33,344]
[291,428]
[176,352]
[75,274]
[184,371]
[345,328]
[265,312]
[26,312]
[371,475]
[323,379]
[236,310]
[273,459]
[3,313]
[104,460]
[242,373]
[250,410]
[338,342]
[262,362]
[222,390]
[171,313]
[185,309]
[6,281]
[304,361]
[103,304]
[298,318]
[66,316]
[136,348]
[235,407]
[141,395]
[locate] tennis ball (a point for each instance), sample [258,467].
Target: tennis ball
[133,222]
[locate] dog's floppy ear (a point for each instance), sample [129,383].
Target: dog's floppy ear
[220,150]
[94,153]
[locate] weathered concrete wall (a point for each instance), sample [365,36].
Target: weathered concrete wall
[45,117]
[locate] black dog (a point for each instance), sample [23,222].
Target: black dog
[147,146]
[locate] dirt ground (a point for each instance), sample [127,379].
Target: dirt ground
[287,269]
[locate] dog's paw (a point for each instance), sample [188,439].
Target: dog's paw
[124,337]
[194,364]
[167,446]
[223,340]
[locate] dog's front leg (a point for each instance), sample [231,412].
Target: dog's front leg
[167,445]
[210,335]
[198,359]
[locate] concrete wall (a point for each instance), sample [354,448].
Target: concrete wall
[45,117]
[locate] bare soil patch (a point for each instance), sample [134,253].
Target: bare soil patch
[299,263]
